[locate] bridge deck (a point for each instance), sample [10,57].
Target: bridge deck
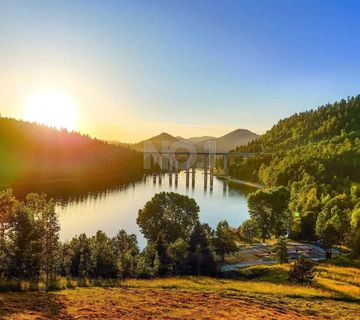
[242,154]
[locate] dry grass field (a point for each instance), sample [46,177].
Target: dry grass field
[334,295]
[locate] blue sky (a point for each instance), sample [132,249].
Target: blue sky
[137,68]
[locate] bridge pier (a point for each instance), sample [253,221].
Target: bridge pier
[225,163]
[187,177]
[224,188]
[176,179]
[206,167]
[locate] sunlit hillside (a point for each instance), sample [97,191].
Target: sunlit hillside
[334,295]
[32,153]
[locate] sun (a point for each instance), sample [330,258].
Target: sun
[52,108]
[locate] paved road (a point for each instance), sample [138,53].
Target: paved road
[261,254]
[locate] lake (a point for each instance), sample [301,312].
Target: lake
[114,207]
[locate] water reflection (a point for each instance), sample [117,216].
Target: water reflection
[114,205]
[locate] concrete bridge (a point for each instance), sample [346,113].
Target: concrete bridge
[172,162]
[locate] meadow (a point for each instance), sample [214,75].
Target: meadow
[259,292]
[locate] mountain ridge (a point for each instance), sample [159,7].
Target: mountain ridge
[225,143]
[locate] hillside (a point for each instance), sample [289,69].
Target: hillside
[317,155]
[156,141]
[224,143]
[32,153]
[234,139]
[334,295]
[323,123]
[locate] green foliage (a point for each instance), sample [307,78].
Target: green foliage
[269,209]
[302,272]
[316,154]
[248,231]
[162,251]
[31,251]
[225,240]
[8,207]
[200,257]
[355,218]
[178,251]
[125,249]
[356,244]
[280,250]
[172,214]
[103,254]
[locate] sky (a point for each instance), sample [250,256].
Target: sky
[134,69]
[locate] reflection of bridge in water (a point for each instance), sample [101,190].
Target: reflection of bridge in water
[173,162]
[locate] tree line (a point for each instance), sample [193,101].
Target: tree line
[177,243]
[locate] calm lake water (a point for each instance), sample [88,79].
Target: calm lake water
[116,207]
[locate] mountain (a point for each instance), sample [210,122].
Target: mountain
[156,141]
[197,140]
[31,153]
[235,139]
[225,143]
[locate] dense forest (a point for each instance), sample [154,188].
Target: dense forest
[316,155]
[31,153]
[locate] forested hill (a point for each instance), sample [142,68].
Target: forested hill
[312,126]
[316,154]
[31,153]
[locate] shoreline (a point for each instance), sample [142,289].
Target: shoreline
[244,182]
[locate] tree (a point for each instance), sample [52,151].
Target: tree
[178,253]
[50,229]
[355,246]
[161,248]
[172,214]
[103,256]
[124,244]
[355,218]
[27,249]
[259,212]
[248,231]
[224,241]
[278,204]
[329,237]
[8,207]
[270,211]
[200,258]
[83,263]
[302,271]
[143,269]
[308,223]
[281,252]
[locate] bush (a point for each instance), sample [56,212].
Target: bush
[302,272]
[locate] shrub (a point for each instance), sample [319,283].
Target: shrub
[302,272]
